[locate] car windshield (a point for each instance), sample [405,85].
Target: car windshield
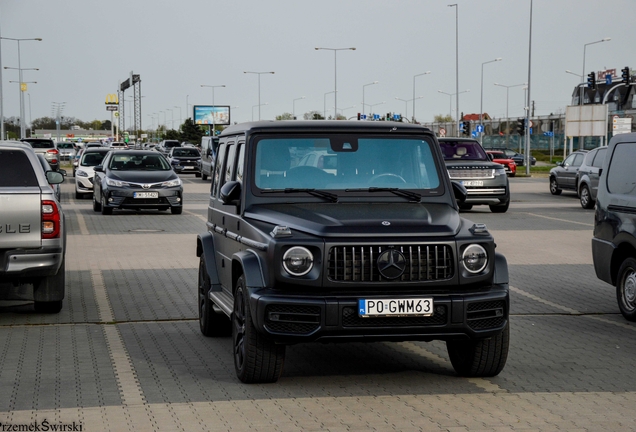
[92,159]
[65,146]
[172,144]
[345,162]
[498,155]
[463,150]
[138,162]
[189,152]
[37,144]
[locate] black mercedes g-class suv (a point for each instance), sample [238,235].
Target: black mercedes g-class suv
[370,248]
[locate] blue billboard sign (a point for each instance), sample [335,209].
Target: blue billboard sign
[208,114]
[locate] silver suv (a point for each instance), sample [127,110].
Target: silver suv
[47,148]
[589,173]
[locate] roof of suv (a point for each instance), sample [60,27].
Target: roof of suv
[322,125]
[39,142]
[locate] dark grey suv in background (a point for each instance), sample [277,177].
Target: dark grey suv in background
[564,175]
[589,173]
[614,242]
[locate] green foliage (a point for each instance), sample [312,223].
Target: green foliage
[285,116]
[191,132]
[313,115]
[439,118]
[173,135]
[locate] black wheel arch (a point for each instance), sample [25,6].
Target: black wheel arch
[206,248]
[624,250]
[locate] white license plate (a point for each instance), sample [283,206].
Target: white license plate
[395,307]
[473,182]
[146,195]
[189,167]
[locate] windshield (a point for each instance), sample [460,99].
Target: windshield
[138,162]
[172,144]
[463,150]
[181,152]
[40,144]
[345,162]
[498,155]
[65,146]
[92,159]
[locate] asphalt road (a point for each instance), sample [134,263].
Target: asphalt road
[126,353]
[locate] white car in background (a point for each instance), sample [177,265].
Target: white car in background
[84,173]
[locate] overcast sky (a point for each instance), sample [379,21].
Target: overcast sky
[175,46]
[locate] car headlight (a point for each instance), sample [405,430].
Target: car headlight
[81,173]
[500,171]
[116,183]
[172,183]
[474,258]
[298,261]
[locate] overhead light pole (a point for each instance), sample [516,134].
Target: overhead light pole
[375,104]
[423,73]
[450,101]
[456,63]
[259,109]
[508,87]
[406,107]
[583,71]
[335,66]
[294,106]
[214,105]
[324,106]
[481,105]
[365,85]
[180,114]
[259,89]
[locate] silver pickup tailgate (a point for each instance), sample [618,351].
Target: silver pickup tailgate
[20,217]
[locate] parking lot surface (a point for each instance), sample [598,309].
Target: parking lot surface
[125,352]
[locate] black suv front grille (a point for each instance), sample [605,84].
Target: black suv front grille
[350,318]
[359,263]
[485,315]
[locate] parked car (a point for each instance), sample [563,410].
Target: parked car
[118,145]
[614,242]
[46,167]
[500,157]
[165,146]
[84,175]
[485,180]
[209,146]
[67,151]
[519,158]
[136,179]
[376,251]
[33,238]
[188,158]
[589,173]
[47,148]
[564,175]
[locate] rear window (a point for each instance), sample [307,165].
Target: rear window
[621,177]
[16,169]
[169,144]
[40,144]
[65,146]
[187,152]
[463,150]
[93,158]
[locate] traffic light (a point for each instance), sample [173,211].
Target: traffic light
[591,80]
[462,128]
[358,116]
[521,126]
[467,128]
[388,116]
[625,75]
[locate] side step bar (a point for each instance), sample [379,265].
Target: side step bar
[223,300]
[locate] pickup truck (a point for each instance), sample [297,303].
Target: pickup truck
[32,231]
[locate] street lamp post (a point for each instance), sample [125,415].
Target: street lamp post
[214,105]
[22,123]
[481,105]
[259,109]
[583,71]
[365,85]
[507,117]
[423,73]
[294,106]
[335,66]
[259,89]
[450,101]
[456,63]
[57,108]
[324,107]
[180,115]
[406,107]
[372,105]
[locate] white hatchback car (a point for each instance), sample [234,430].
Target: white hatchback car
[84,173]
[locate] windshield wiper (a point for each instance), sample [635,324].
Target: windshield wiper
[317,193]
[412,196]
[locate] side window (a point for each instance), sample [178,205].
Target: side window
[240,162]
[621,178]
[578,160]
[216,180]
[569,160]
[600,158]
[229,165]
[589,158]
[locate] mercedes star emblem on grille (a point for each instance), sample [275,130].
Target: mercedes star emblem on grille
[391,264]
[386,223]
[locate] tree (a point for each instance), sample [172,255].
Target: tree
[191,132]
[285,116]
[172,135]
[313,115]
[439,118]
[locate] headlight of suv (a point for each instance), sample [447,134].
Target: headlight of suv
[474,258]
[500,171]
[81,173]
[298,261]
[116,183]
[172,183]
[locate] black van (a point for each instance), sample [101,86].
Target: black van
[208,155]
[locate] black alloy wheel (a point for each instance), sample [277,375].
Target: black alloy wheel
[554,187]
[626,289]
[586,199]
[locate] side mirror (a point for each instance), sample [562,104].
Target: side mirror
[560,163]
[54,177]
[231,192]
[460,191]
[99,168]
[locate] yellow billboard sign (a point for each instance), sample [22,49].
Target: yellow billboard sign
[112,99]
[23,86]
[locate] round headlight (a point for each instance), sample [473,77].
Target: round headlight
[298,261]
[474,258]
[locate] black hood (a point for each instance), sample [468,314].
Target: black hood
[143,176]
[368,220]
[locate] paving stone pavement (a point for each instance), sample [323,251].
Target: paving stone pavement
[126,353]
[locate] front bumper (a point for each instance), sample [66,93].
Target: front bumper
[488,195]
[124,198]
[83,184]
[292,319]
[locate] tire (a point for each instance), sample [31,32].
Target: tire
[513,174]
[197,174]
[48,307]
[586,198]
[481,358]
[97,206]
[626,289]
[256,358]
[105,209]
[500,208]
[204,176]
[465,206]
[554,187]
[212,324]
[78,195]
[176,210]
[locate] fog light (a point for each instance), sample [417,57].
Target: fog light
[178,199]
[110,199]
